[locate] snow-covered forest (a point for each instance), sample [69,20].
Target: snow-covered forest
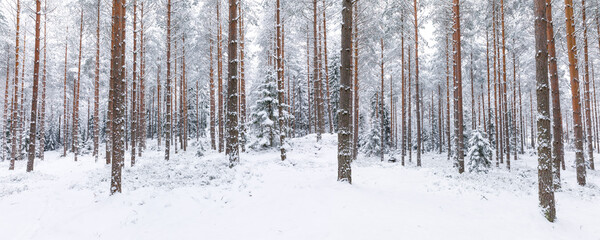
[309,119]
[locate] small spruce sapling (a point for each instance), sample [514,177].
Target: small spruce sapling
[480,152]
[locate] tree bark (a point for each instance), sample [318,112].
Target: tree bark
[344,120]
[34,99]
[417,93]
[588,114]
[557,143]
[574,74]
[119,89]
[233,150]
[280,79]
[546,188]
[42,115]
[13,152]
[168,92]
[458,87]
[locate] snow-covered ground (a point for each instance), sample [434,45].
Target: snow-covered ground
[193,197]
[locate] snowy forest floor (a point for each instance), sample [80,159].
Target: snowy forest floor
[194,197]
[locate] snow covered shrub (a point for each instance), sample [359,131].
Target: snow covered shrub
[480,152]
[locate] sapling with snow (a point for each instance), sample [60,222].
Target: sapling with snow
[480,152]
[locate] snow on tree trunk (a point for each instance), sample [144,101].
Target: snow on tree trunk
[344,120]
[546,186]
[232,150]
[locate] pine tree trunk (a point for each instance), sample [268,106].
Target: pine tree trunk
[382,108]
[448,135]
[308,80]
[546,188]
[242,83]
[13,152]
[574,74]
[134,89]
[505,95]
[5,120]
[233,150]
[220,78]
[326,68]
[141,132]
[75,122]
[280,89]
[168,92]
[409,135]
[557,143]
[403,145]
[417,93]
[588,114]
[34,99]
[65,107]
[97,88]
[213,118]
[119,88]
[316,76]
[356,95]
[344,120]
[458,88]
[42,115]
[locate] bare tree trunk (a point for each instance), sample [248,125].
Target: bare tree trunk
[97,87]
[557,143]
[505,97]
[403,89]
[574,74]
[158,107]
[134,108]
[409,135]
[233,151]
[168,92]
[448,135]
[76,95]
[356,95]
[308,80]
[34,99]
[13,152]
[213,118]
[316,76]
[5,118]
[326,68]
[242,83]
[42,115]
[141,132]
[118,86]
[418,95]
[588,114]
[65,107]
[381,108]
[280,90]
[220,78]
[344,120]
[458,87]
[546,192]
